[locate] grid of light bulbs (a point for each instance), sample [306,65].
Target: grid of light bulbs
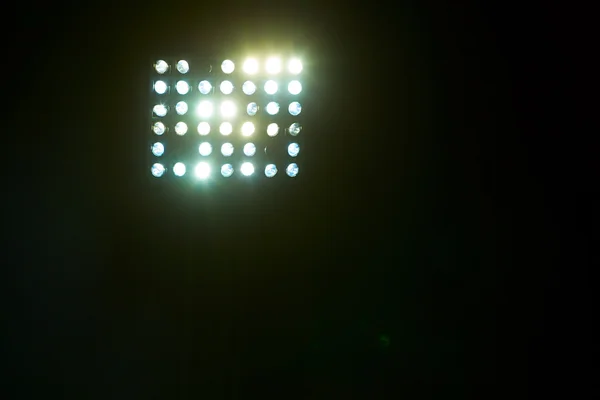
[228,119]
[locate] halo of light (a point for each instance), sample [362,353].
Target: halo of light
[226,87]
[249,149]
[160,110]
[292,170]
[203,128]
[294,87]
[227,149]
[293,149]
[248,128]
[205,109]
[179,169]
[295,129]
[159,128]
[250,66]
[204,87]
[270,170]
[271,87]
[181,107]
[273,65]
[228,109]
[160,87]
[181,128]
[294,108]
[272,129]
[247,169]
[227,170]
[161,66]
[205,149]
[249,88]
[295,66]
[158,149]
[202,170]
[183,66]
[182,87]
[252,109]
[225,128]
[272,108]
[157,170]
[227,66]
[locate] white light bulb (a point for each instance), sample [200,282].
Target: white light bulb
[295,66]
[160,87]
[158,170]
[294,87]
[181,128]
[204,87]
[181,107]
[182,87]
[270,170]
[248,88]
[183,66]
[272,108]
[227,149]
[293,149]
[226,87]
[161,66]
[160,110]
[250,66]
[247,128]
[271,87]
[295,108]
[202,170]
[272,129]
[205,149]
[159,128]
[179,169]
[228,109]
[225,128]
[158,149]
[227,170]
[249,149]
[292,170]
[205,109]
[247,169]
[273,65]
[227,66]
[203,128]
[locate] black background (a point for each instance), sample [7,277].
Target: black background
[427,211]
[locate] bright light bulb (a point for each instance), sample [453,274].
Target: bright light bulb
[179,169]
[202,170]
[181,128]
[295,108]
[205,109]
[225,128]
[247,128]
[249,149]
[271,87]
[227,149]
[161,66]
[183,66]
[270,170]
[158,170]
[294,129]
[249,88]
[182,87]
[292,170]
[160,87]
[204,87]
[227,66]
[294,87]
[295,66]
[160,110]
[226,87]
[272,108]
[227,170]
[247,169]
[228,109]
[272,129]
[250,66]
[181,107]
[252,109]
[273,65]
[205,149]
[158,149]
[293,149]
[159,128]
[203,128]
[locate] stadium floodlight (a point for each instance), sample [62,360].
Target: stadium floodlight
[158,170]
[227,170]
[292,170]
[247,169]
[205,109]
[203,128]
[249,149]
[160,87]
[294,87]
[271,87]
[160,110]
[293,149]
[225,128]
[204,87]
[179,169]
[248,128]
[202,170]
[272,129]
[273,65]
[227,66]
[226,87]
[295,66]
[181,107]
[183,66]
[159,128]
[228,109]
[182,87]
[158,149]
[161,66]
[270,170]
[295,108]
[249,88]
[252,108]
[272,108]
[181,128]
[250,66]
[294,129]
[227,149]
[205,149]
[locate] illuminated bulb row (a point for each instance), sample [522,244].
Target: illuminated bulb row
[273,65]
[226,87]
[225,128]
[203,170]
[228,109]
[205,149]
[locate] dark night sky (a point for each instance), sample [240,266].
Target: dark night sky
[425,213]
